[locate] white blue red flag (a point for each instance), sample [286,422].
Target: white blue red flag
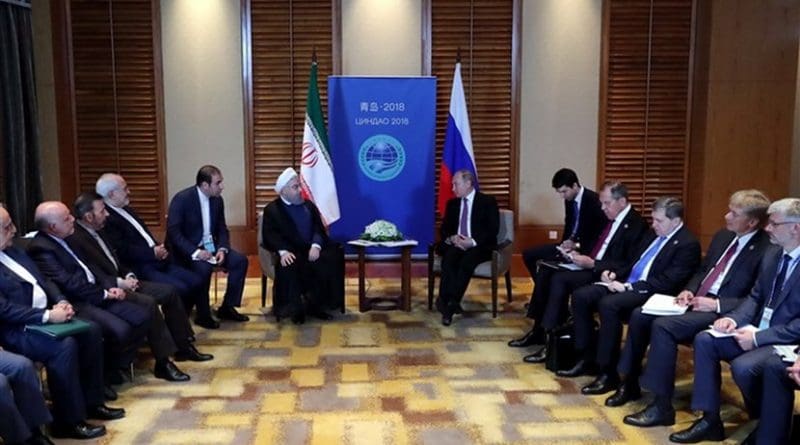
[457,153]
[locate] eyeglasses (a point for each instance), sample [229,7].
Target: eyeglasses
[780,223]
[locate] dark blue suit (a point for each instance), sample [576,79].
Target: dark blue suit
[185,234]
[748,367]
[124,323]
[74,364]
[22,405]
[669,271]
[665,333]
[134,252]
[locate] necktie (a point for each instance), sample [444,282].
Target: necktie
[777,286]
[712,277]
[644,260]
[600,241]
[464,224]
[576,214]
[89,274]
[105,249]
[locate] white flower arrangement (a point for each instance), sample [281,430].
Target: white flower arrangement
[381,230]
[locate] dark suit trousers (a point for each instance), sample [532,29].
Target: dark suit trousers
[187,283]
[322,282]
[22,406]
[125,325]
[158,336]
[777,403]
[532,255]
[457,268]
[74,369]
[664,335]
[747,369]
[235,265]
[551,295]
[173,311]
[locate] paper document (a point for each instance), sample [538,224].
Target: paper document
[560,266]
[365,243]
[660,304]
[787,352]
[719,334]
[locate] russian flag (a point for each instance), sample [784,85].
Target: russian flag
[457,153]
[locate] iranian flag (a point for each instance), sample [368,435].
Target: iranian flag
[316,168]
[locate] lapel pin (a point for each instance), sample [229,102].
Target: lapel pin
[675,242]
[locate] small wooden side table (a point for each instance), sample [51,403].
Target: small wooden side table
[403,301]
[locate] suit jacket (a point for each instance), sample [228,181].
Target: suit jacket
[278,231]
[484,222]
[83,243]
[129,244]
[785,322]
[623,244]
[19,291]
[185,223]
[64,270]
[673,265]
[591,220]
[737,283]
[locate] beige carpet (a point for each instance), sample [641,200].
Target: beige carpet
[380,378]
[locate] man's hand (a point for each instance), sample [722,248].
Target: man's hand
[568,246]
[160,252]
[616,286]
[794,371]
[313,253]
[220,257]
[725,325]
[684,298]
[129,284]
[59,314]
[204,255]
[287,259]
[116,293]
[607,276]
[746,337]
[704,304]
[463,243]
[584,261]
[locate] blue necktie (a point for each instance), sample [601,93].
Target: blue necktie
[576,214]
[777,286]
[644,260]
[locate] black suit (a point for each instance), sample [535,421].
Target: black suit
[553,287]
[670,269]
[22,405]
[74,364]
[134,251]
[168,331]
[322,281]
[664,334]
[458,265]
[124,323]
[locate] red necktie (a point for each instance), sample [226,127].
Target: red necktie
[462,226]
[709,280]
[601,240]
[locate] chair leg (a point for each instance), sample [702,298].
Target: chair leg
[263,290]
[508,285]
[216,276]
[494,296]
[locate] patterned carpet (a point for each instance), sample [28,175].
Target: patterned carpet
[380,378]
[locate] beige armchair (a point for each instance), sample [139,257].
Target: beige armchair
[500,264]
[267,260]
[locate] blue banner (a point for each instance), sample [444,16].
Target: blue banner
[382,136]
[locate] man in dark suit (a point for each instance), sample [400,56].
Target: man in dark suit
[612,250]
[198,235]
[311,264]
[97,252]
[667,257]
[23,411]
[149,259]
[74,364]
[723,281]
[468,234]
[769,316]
[584,220]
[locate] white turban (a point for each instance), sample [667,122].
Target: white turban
[284,179]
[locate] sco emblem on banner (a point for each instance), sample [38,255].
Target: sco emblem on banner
[381,157]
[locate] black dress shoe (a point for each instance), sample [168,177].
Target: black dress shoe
[624,394]
[229,313]
[207,322]
[320,315]
[299,318]
[109,393]
[447,319]
[702,429]
[539,356]
[601,385]
[533,337]
[80,431]
[168,371]
[103,412]
[192,354]
[651,416]
[580,368]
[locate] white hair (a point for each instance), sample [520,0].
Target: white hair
[107,183]
[788,207]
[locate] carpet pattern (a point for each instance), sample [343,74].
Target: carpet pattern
[381,378]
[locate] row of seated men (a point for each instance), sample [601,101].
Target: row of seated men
[101,264]
[747,289]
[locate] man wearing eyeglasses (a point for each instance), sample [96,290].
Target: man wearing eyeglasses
[745,336]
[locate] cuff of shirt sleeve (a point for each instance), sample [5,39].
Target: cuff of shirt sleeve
[105,294]
[46,316]
[282,252]
[719,307]
[317,246]
[195,254]
[223,250]
[755,339]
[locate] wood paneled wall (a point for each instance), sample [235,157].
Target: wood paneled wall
[744,102]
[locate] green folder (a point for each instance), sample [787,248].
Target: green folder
[60,330]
